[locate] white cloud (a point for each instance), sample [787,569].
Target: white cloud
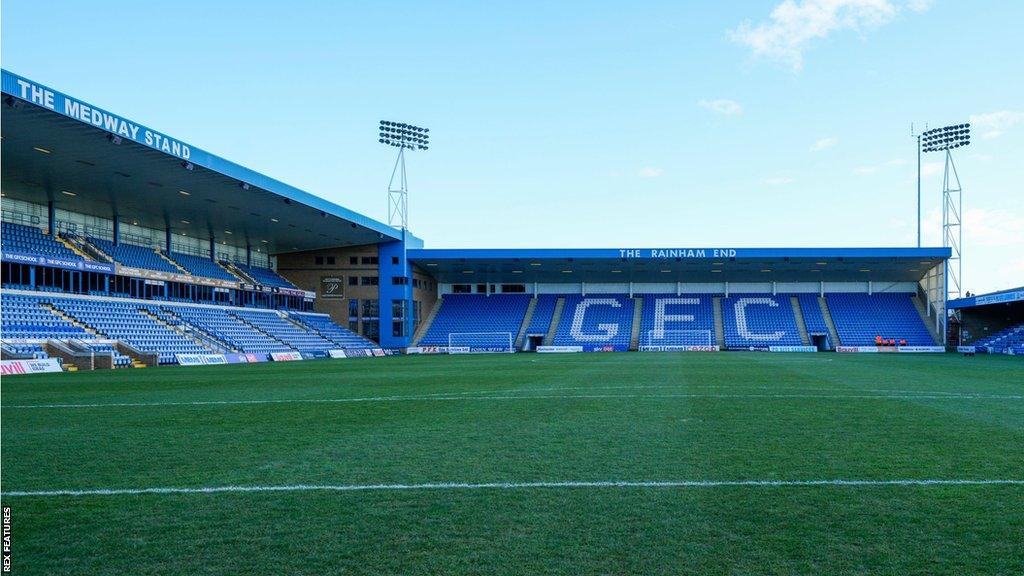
[993,124]
[794,24]
[865,170]
[931,168]
[989,228]
[724,107]
[778,181]
[823,143]
[651,172]
[993,241]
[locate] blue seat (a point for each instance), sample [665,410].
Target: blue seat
[860,317]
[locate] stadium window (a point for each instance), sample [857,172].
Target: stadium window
[481,288]
[330,260]
[353,280]
[354,260]
[353,309]
[369,281]
[462,289]
[319,260]
[399,281]
[371,309]
[371,329]
[513,288]
[370,260]
[394,260]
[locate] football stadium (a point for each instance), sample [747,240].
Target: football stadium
[210,371]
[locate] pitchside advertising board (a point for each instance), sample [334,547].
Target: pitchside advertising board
[213,359]
[16,367]
[63,263]
[889,349]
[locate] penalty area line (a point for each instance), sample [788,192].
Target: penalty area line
[573,485]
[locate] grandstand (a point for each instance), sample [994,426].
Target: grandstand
[182,270]
[990,323]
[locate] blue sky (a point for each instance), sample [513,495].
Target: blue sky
[562,124]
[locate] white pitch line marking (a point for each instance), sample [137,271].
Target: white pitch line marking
[942,396]
[739,387]
[514,486]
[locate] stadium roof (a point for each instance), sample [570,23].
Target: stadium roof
[87,160]
[1000,297]
[679,264]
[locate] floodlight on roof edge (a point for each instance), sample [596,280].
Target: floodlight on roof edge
[404,137]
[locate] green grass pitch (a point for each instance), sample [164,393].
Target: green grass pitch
[523,419]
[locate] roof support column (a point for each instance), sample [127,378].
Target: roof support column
[821,289]
[870,288]
[51,218]
[775,291]
[726,289]
[117,230]
[583,288]
[167,239]
[248,255]
[630,288]
[213,247]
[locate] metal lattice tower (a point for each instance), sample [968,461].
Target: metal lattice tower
[952,226]
[946,139]
[402,136]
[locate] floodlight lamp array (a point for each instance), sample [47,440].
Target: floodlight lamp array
[946,138]
[402,135]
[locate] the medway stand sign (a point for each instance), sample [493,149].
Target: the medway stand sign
[62,104]
[15,367]
[890,349]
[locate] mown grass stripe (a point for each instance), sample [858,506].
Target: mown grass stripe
[516,486]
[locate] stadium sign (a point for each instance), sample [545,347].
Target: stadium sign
[15,367]
[426,350]
[999,298]
[688,253]
[877,349]
[52,262]
[62,104]
[285,356]
[559,349]
[200,359]
[173,277]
